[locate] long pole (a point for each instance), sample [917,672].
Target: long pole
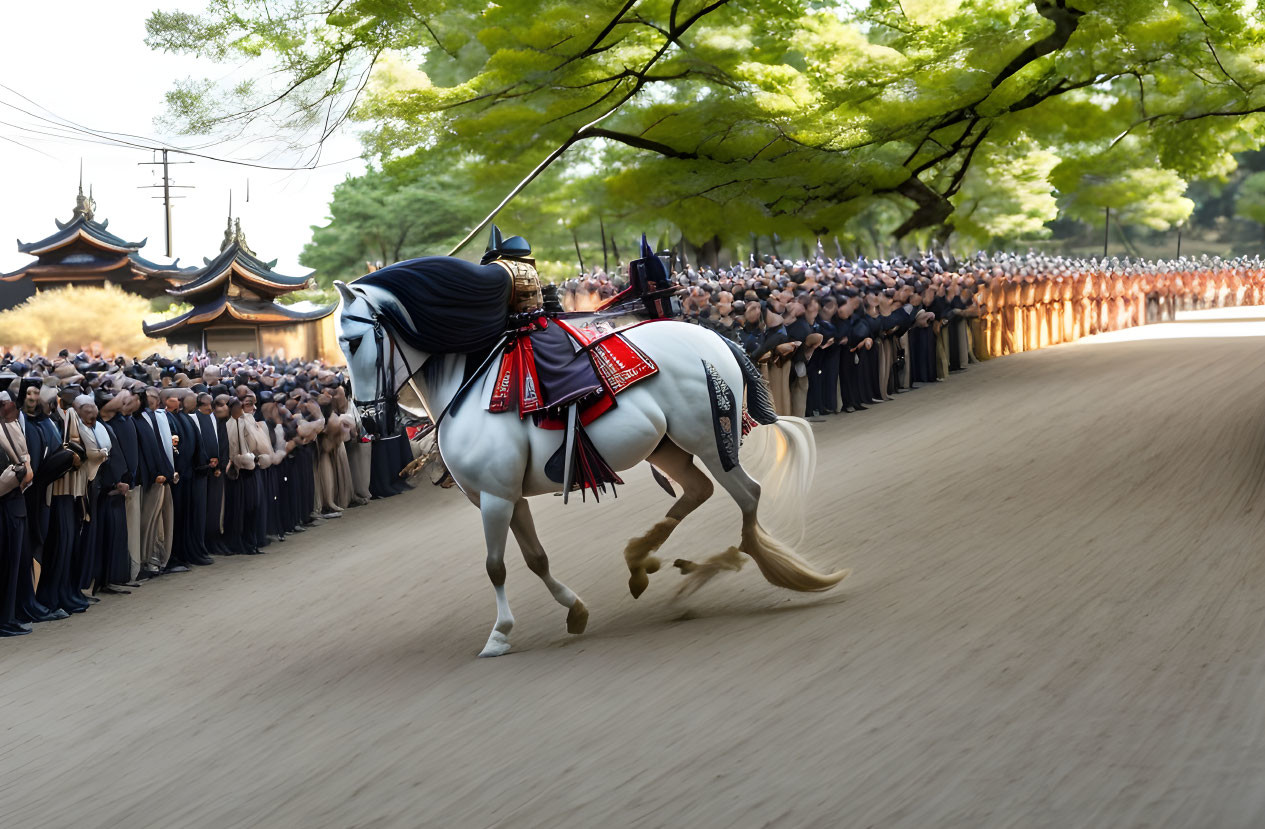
[576,239]
[606,265]
[1106,230]
[167,201]
[1179,240]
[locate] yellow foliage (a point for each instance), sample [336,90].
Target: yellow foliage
[75,318]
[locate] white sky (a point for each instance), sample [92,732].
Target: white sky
[88,63]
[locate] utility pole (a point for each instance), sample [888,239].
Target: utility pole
[1179,239]
[166,187]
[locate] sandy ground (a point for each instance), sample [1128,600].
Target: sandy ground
[1056,618]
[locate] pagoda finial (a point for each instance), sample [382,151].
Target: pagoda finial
[228,228]
[240,238]
[84,205]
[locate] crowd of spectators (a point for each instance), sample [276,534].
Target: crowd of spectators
[120,471]
[837,335]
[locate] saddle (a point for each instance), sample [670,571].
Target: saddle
[566,377]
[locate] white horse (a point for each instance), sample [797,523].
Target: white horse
[498,460]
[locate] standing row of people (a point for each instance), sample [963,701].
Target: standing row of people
[836,336]
[118,473]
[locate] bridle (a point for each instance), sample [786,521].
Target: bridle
[380,409]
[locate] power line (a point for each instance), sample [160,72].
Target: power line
[106,137]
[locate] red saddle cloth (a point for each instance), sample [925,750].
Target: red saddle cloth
[590,370]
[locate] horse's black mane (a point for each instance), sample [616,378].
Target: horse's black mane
[452,306]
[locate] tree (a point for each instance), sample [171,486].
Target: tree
[1249,203]
[381,217]
[788,116]
[76,318]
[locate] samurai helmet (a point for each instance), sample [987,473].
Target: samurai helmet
[515,247]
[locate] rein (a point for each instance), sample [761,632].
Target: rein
[384,368]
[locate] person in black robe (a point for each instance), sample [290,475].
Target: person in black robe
[211,427]
[201,448]
[827,357]
[128,448]
[182,557]
[242,491]
[56,589]
[900,321]
[89,545]
[957,328]
[258,529]
[114,565]
[815,403]
[41,438]
[850,337]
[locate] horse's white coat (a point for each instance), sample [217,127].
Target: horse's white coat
[499,459]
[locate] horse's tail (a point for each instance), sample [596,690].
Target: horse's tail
[780,453]
[781,565]
[782,457]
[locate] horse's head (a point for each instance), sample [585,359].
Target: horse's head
[360,336]
[379,364]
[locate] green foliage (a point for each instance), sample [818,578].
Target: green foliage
[317,296]
[383,217]
[800,117]
[1250,201]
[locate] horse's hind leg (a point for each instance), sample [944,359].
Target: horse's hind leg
[697,488]
[534,554]
[497,513]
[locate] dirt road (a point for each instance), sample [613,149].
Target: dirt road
[1056,618]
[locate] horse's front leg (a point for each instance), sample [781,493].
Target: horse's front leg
[534,554]
[496,513]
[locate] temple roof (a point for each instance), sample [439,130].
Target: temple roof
[258,312]
[84,250]
[249,271]
[131,271]
[80,227]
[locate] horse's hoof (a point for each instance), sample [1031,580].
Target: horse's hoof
[498,645]
[651,564]
[578,617]
[637,583]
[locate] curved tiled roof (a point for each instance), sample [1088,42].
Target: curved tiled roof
[80,227]
[254,272]
[251,311]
